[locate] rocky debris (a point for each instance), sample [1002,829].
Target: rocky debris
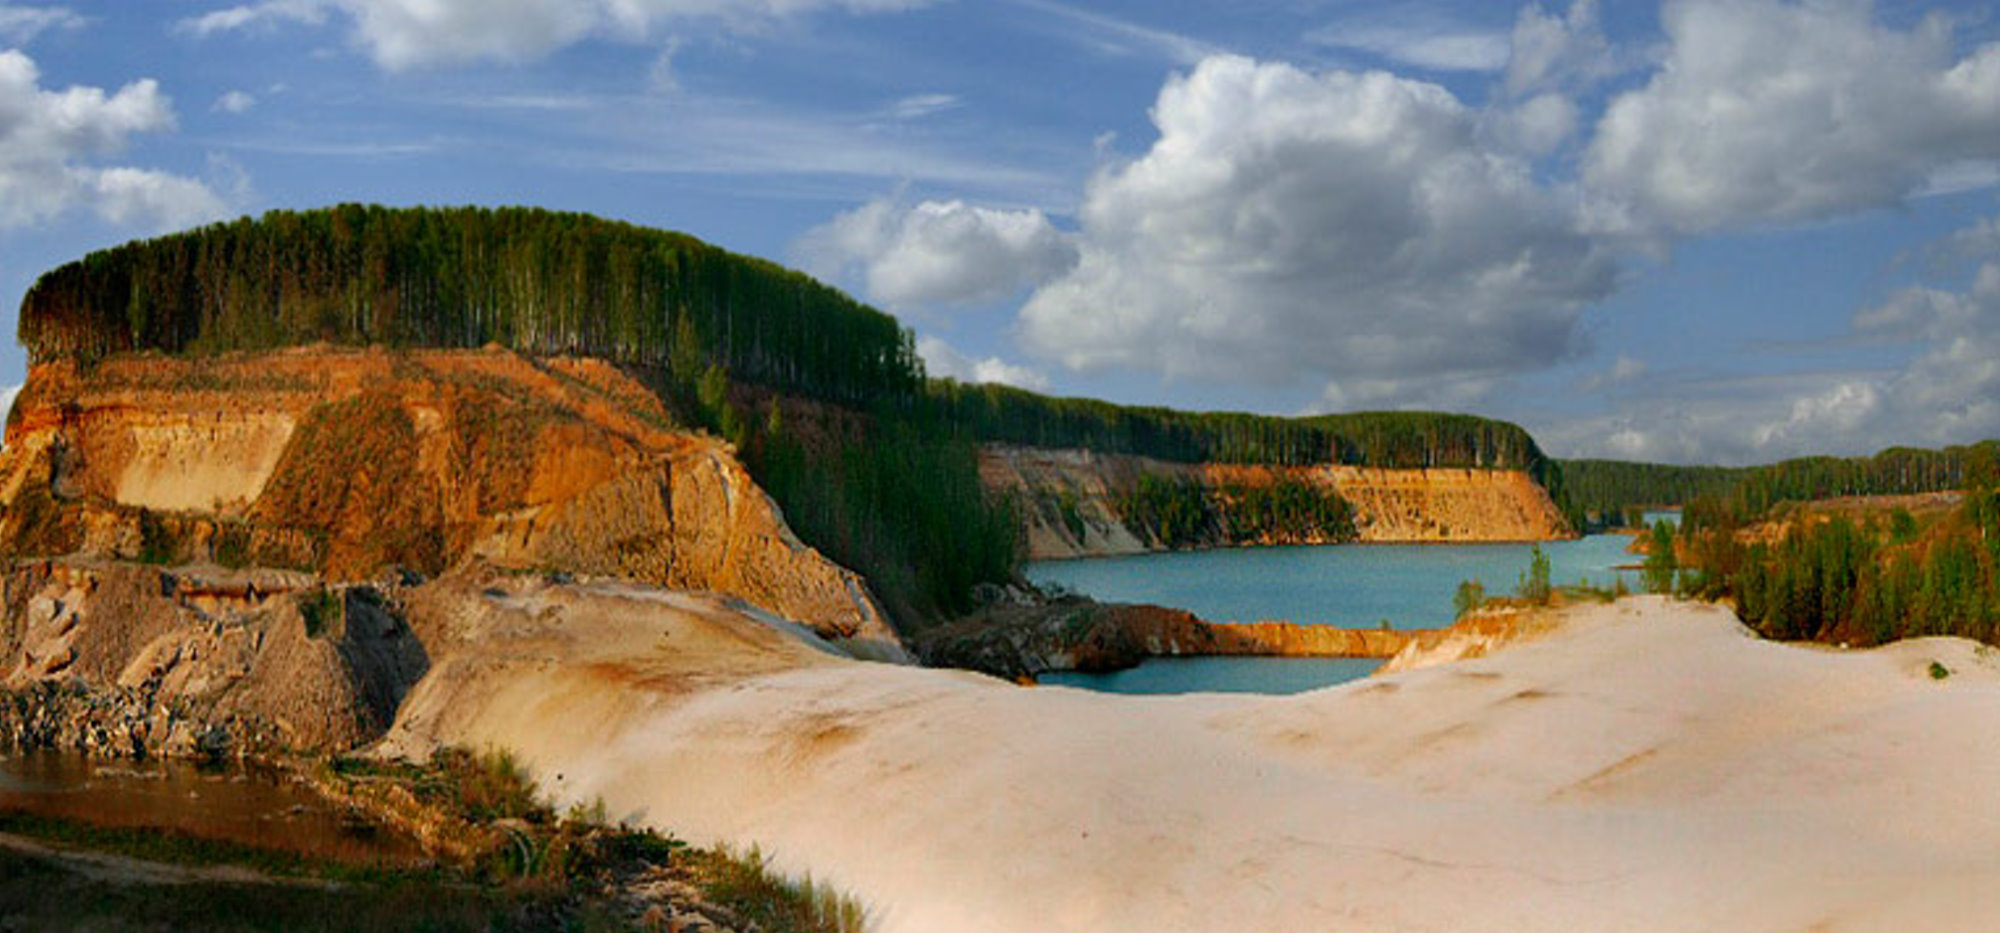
[1019,638]
[113,659]
[661,899]
[126,722]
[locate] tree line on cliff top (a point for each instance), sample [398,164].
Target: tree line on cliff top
[726,336]
[1611,492]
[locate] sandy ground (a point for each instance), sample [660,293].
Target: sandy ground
[1647,766]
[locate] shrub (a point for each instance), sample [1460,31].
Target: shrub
[322,609]
[1471,595]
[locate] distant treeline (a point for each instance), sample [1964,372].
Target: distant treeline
[1601,492]
[1386,439]
[1597,492]
[532,280]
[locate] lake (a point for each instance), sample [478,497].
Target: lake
[1408,586]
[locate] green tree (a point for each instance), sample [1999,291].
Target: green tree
[1534,586]
[1661,562]
[1471,595]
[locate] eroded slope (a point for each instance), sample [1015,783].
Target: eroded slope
[349,462]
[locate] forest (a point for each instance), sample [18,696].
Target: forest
[1004,414]
[536,281]
[1865,581]
[1601,493]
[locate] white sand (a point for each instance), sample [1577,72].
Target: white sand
[1649,766]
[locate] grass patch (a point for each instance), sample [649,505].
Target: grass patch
[746,885]
[322,609]
[39,893]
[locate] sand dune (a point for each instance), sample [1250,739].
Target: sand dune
[1647,766]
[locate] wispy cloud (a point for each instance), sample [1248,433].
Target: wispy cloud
[714,136]
[918,106]
[1112,35]
[21,24]
[254,16]
[1425,46]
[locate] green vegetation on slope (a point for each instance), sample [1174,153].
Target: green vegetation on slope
[1866,581]
[1608,492]
[1183,513]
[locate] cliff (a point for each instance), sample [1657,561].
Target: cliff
[349,463]
[1071,499]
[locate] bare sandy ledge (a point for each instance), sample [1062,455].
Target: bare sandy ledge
[1641,766]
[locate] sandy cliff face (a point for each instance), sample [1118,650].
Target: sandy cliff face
[346,462]
[1070,499]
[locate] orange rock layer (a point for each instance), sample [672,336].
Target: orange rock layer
[1070,499]
[345,462]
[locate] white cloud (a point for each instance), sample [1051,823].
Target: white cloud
[1114,36]
[402,34]
[939,252]
[21,24]
[1538,126]
[266,15]
[48,140]
[1420,44]
[941,361]
[1946,392]
[142,196]
[235,102]
[1770,112]
[1345,228]
[1548,52]
[918,106]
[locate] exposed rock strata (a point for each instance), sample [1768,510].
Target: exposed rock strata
[1070,499]
[343,462]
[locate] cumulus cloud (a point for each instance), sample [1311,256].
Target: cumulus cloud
[402,34]
[938,252]
[1947,392]
[1770,112]
[21,24]
[944,362]
[1549,52]
[1341,227]
[48,140]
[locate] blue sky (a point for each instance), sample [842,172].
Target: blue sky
[1691,231]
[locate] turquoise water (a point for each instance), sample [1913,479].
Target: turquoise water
[1409,586]
[1356,586]
[1222,675]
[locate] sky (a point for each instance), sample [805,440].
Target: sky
[1720,231]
